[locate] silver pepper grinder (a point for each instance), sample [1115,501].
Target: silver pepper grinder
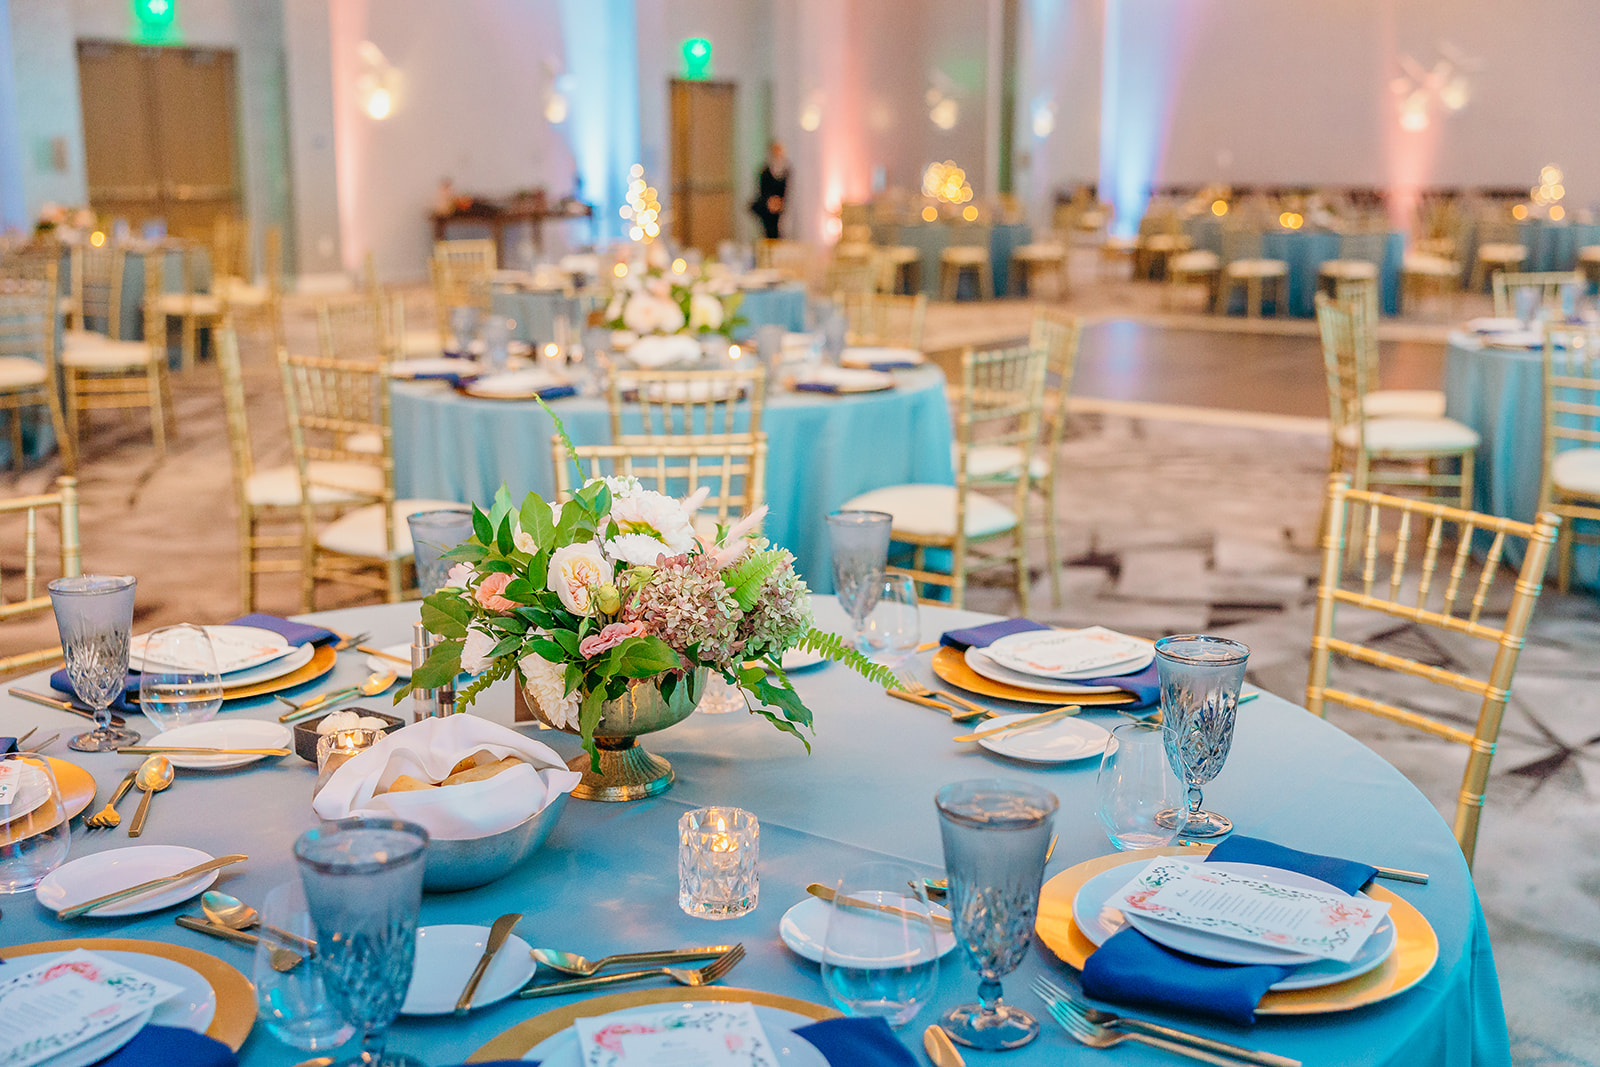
[423,702]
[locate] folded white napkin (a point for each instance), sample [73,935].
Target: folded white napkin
[658,350]
[427,750]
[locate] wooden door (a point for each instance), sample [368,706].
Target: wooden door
[704,185]
[159,135]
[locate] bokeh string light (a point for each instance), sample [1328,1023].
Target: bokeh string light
[642,210]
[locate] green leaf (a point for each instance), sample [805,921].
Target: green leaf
[444,663]
[496,566]
[521,590]
[438,621]
[482,528]
[832,646]
[509,624]
[644,657]
[568,641]
[502,537]
[501,506]
[785,698]
[504,645]
[536,521]
[467,552]
[588,719]
[546,648]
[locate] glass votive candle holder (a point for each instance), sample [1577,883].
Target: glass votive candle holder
[718,853]
[336,747]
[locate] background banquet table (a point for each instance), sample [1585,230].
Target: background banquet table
[822,450]
[134,265]
[1305,251]
[606,881]
[535,311]
[1499,392]
[932,238]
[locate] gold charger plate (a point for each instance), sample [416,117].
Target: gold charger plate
[77,793]
[1415,952]
[321,663]
[951,666]
[236,997]
[525,1036]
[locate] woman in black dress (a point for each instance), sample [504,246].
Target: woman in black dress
[771,189]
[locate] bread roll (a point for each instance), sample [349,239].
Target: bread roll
[481,772]
[407,784]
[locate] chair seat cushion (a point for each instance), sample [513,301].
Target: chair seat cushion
[930,510]
[241,293]
[1502,253]
[188,304]
[1197,262]
[1348,268]
[1118,243]
[94,351]
[333,483]
[1165,242]
[361,533]
[853,250]
[1426,263]
[19,371]
[367,443]
[1412,435]
[419,342]
[965,255]
[1577,471]
[1589,254]
[898,254]
[994,461]
[1044,250]
[1257,268]
[1404,403]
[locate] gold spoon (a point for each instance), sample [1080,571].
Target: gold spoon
[374,685]
[227,910]
[155,774]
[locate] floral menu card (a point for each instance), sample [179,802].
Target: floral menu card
[1242,907]
[1049,652]
[706,1035]
[71,999]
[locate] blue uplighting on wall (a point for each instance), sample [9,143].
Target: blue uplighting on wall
[602,57]
[1144,53]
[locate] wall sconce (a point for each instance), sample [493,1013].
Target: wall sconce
[1044,118]
[557,89]
[377,85]
[811,113]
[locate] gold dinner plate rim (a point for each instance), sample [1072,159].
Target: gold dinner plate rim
[321,662]
[76,786]
[951,666]
[235,1016]
[525,1036]
[1416,951]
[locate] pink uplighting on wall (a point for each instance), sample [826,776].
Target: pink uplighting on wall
[347,25]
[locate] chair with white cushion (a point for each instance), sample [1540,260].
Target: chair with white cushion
[1500,248]
[1031,263]
[1523,295]
[353,327]
[1402,452]
[1244,265]
[1383,403]
[1001,406]
[1360,259]
[884,319]
[1569,483]
[27,511]
[1422,272]
[959,259]
[901,269]
[256,303]
[1589,264]
[28,374]
[1188,269]
[327,401]
[194,310]
[732,471]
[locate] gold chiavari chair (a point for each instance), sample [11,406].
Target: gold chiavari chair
[686,405]
[1001,406]
[1244,264]
[1569,481]
[1382,403]
[849,276]
[353,327]
[1500,248]
[1386,586]
[1360,258]
[796,259]
[968,251]
[257,303]
[733,471]
[194,310]
[29,376]
[1547,285]
[35,598]
[328,401]
[102,371]
[884,319]
[1386,451]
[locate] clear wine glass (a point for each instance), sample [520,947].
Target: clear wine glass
[178,679]
[996,833]
[1135,786]
[34,830]
[874,962]
[293,1004]
[94,616]
[858,542]
[890,625]
[433,533]
[363,886]
[1200,679]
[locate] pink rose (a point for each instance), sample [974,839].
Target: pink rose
[610,637]
[488,593]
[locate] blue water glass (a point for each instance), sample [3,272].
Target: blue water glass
[363,886]
[858,542]
[1200,678]
[293,1004]
[433,533]
[94,616]
[996,833]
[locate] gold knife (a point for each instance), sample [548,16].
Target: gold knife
[817,889]
[163,750]
[940,1049]
[60,705]
[497,936]
[144,887]
[927,702]
[369,650]
[1031,720]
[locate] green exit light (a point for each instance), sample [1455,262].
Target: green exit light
[155,12]
[696,58]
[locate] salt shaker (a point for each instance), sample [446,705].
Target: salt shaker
[423,703]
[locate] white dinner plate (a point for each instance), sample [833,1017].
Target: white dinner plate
[237,648]
[805,926]
[377,664]
[223,733]
[1098,919]
[517,384]
[792,1050]
[801,660]
[298,657]
[983,665]
[1494,325]
[881,358]
[445,958]
[32,791]
[433,365]
[96,875]
[1515,339]
[1068,655]
[761,278]
[190,1009]
[1063,741]
[681,392]
[847,379]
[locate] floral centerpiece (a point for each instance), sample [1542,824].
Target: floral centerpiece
[586,602]
[660,314]
[63,222]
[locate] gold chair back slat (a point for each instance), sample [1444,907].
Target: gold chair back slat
[1507,284]
[733,470]
[35,597]
[1571,421]
[97,283]
[353,328]
[235,406]
[874,318]
[1508,638]
[687,404]
[338,398]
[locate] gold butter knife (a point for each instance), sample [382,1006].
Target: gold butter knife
[145,887]
[60,704]
[497,936]
[817,889]
[927,702]
[369,650]
[940,1049]
[1031,720]
[163,750]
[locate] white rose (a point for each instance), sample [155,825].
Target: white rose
[705,312]
[642,314]
[671,317]
[614,309]
[545,683]
[460,576]
[475,653]
[575,572]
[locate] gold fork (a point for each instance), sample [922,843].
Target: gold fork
[1087,1033]
[1054,994]
[917,689]
[711,972]
[107,818]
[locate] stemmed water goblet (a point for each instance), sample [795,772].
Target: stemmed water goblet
[433,533]
[858,542]
[890,624]
[94,615]
[995,834]
[1200,678]
[363,887]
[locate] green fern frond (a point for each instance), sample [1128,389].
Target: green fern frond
[745,578]
[832,646]
[498,670]
[566,439]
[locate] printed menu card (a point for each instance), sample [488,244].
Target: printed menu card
[68,1000]
[708,1035]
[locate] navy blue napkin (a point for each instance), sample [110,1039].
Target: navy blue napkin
[1145,685]
[842,1042]
[815,387]
[1132,969]
[556,392]
[7,744]
[163,1046]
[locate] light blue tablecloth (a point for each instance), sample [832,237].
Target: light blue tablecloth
[606,881]
[1553,246]
[1500,393]
[823,450]
[1305,251]
[535,312]
[932,238]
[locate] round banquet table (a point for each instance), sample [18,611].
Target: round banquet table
[1500,393]
[822,449]
[535,311]
[606,880]
[1305,251]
